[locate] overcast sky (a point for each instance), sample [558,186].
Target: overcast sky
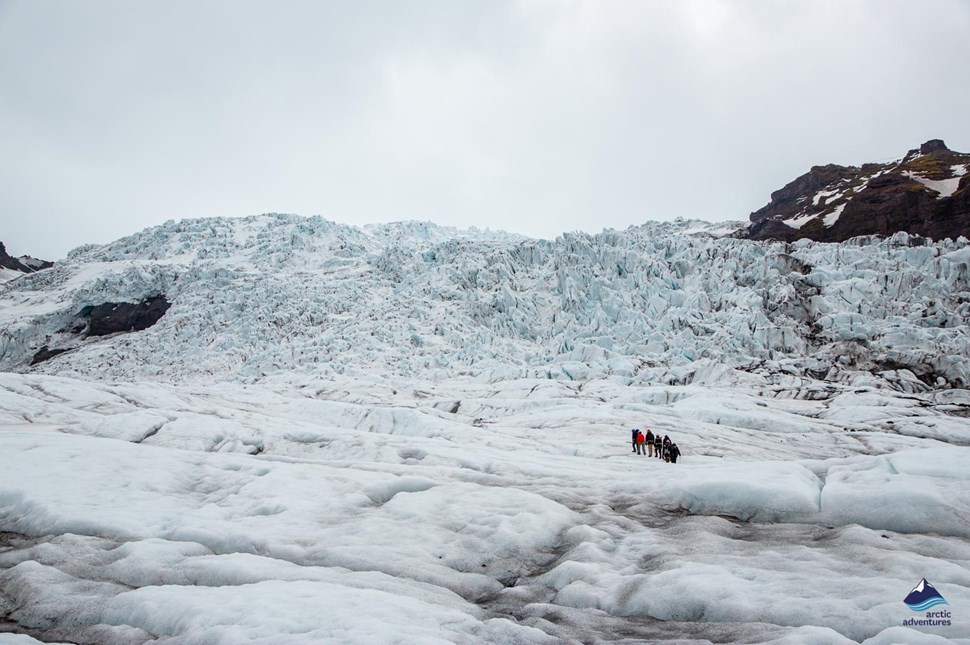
[534,116]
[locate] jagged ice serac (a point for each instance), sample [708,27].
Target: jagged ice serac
[671,303]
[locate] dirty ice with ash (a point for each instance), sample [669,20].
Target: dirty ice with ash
[409,433]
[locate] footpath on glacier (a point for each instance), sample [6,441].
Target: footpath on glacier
[411,433]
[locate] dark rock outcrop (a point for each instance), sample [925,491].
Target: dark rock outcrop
[23,264]
[787,199]
[933,145]
[924,193]
[114,317]
[102,320]
[46,353]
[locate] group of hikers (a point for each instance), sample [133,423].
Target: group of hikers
[653,445]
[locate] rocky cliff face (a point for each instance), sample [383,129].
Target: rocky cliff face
[924,193]
[24,264]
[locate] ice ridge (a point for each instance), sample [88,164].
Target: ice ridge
[669,302]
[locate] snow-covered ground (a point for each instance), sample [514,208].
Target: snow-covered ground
[513,512]
[414,434]
[945,187]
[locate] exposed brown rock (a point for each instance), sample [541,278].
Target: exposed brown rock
[786,200]
[114,317]
[45,354]
[24,264]
[933,145]
[834,203]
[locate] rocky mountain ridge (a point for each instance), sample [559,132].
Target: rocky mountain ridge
[23,264]
[924,193]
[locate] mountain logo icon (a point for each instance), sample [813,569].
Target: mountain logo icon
[924,596]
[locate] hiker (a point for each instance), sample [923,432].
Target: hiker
[635,432]
[648,438]
[674,453]
[641,449]
[657,443]
[666,448]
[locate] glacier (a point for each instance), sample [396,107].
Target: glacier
[414,433]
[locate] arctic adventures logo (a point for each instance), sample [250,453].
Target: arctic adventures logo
[923,597]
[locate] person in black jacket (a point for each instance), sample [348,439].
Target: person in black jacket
[634,437]
[674,453]
[649,438]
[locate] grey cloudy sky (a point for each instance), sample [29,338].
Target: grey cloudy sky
[535,116]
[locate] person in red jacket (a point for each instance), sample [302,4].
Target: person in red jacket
[641,445]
